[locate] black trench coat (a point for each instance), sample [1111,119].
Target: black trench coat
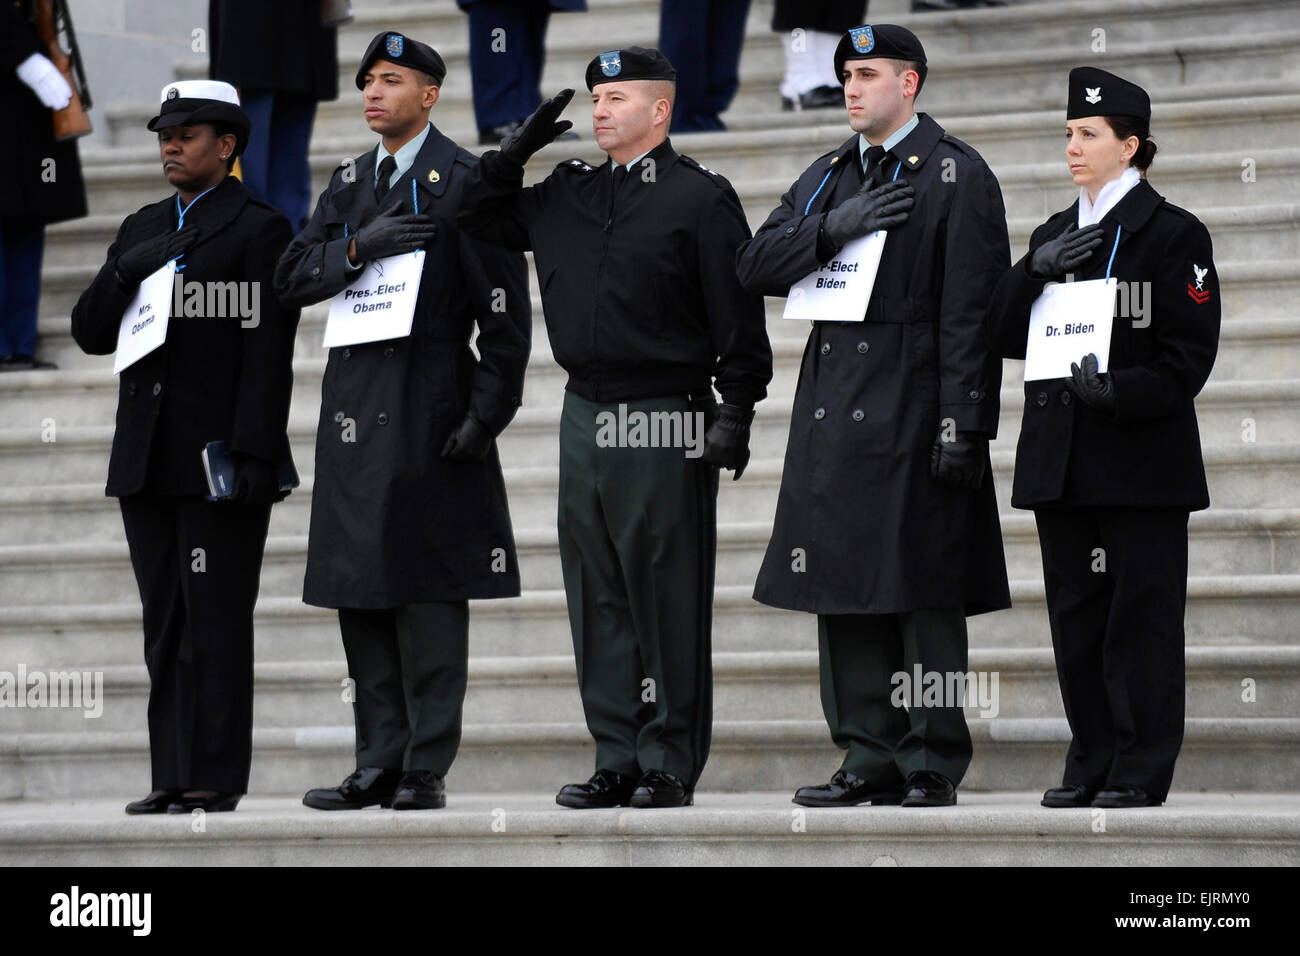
[1147,453]
[858,511]
[393,522]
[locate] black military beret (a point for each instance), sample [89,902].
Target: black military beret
[634,63]
[1095,92]
[202,101]
[887,40]
[402,50]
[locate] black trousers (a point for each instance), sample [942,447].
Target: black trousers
[409,669]
[638,537]
[197,565]
[859,656]
[1117,629]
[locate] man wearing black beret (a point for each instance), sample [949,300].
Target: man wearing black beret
[636,262]
[887,494]
[409,518]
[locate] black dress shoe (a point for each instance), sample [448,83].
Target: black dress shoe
[1120,796]
[659,789]
[925,788]
[1075,796]
[156,802]
[420,790]
[922,6]
[606,788]
[208,802]
[364,787]
[821,98]
[845,790]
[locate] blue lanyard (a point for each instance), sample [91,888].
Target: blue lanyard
[818,190]
[415,203]
[180,216]
[1118,230]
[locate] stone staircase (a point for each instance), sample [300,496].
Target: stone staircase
[996,80]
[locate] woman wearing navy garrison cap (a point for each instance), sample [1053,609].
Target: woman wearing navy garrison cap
[1110,461]
[223,372]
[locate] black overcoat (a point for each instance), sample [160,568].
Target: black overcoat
[216,376]
[861,526]
[1163,341]
[40,179]
[393,522]
[263,47]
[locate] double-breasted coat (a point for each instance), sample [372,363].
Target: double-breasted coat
[393,522]
[861,526]
[223,376]
[1164,337]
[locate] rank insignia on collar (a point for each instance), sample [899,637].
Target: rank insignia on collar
[1198,294]
[913,159]
[433,176]
[864,41]
[394,44]
[611,63]
[1094,94]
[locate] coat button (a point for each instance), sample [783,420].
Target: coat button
[789,230]
[157,388]
[1041,399]
[862,347]
[826,348]
[973,394]
[819,414]
[1065,398]
[388,352]
[315,271]
[338,416]
[858,415]
[130,388]
[382,418]
[347,353]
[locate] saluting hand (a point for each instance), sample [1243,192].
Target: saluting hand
[1071,249]
[393,232]
[539,129]
[885,207]
[147,257]
[1094,388]
[726,443]
[960,462]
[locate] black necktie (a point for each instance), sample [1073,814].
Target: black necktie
[620,176]
[874,157]
[386,168]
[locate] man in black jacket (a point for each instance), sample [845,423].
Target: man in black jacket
[635,259]
[886,526]
[409,518]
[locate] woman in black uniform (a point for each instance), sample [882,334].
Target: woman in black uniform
[222,374]
[1110,462]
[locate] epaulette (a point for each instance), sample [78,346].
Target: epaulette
[716,178]
[577,165]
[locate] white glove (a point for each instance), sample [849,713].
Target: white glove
[46,81]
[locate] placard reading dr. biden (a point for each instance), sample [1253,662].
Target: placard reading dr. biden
[379,305]
[1068,321]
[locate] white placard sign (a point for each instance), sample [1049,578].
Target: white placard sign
[1066,322]
[144,323]
[379,305]
[840,290]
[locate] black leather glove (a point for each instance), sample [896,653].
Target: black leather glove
[726,443]
[255,481]
[1071,249]
[1094,388]
[539,129]
[885,207]
[393,232]
[145,258]
[960,462]
[469,442]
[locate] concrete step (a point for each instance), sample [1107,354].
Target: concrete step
[748,828]
[1009,753]
[1223,610]
[767,685]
